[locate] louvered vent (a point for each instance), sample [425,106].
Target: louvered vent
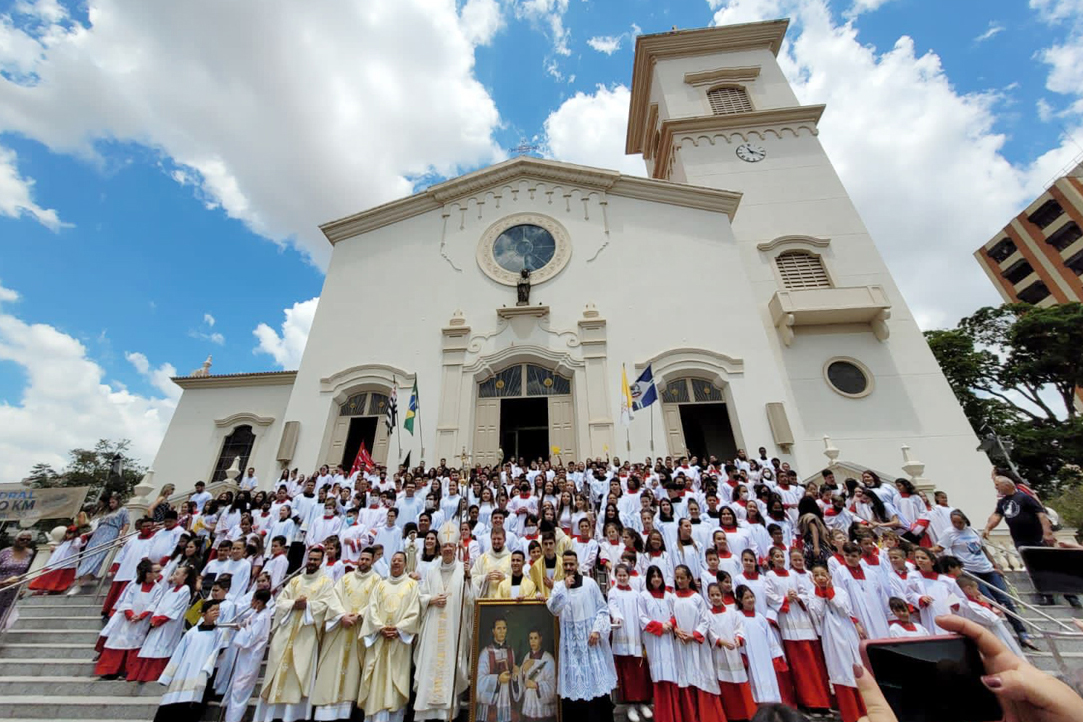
[725,101]
[802,270]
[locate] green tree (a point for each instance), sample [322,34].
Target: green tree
[1015,369]
[96,468]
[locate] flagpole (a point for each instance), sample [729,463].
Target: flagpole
[420,433]
[652,431]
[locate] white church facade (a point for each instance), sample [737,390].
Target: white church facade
[739,270]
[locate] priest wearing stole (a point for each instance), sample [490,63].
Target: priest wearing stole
[588,675]
[393,618]
[447,604]
[342,654]
[300,613]
[491,567]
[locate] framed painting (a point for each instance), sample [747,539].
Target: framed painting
[514,662]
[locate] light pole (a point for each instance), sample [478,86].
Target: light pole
[991,440]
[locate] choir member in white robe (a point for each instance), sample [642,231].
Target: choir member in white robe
[583,687]
[342,654]
[239,569]
[134,551]
[585,548]
[278,563]
[390,626]
[751,577]
[167,626]
[656,623]
[830,607]
[190,668]
[687,550]
[250,641]
[633,672]
[300,611]
[933,592]
[235,613]
[799,639]
[165,539]
[977,609]
[447,603]
[126,630]
[60,569]
[763,653]
[698,683]
[330,524]
[864,593]
[284,527]
[725,634]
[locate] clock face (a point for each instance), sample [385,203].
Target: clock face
[751,153]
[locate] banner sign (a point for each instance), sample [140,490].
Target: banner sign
[19,503]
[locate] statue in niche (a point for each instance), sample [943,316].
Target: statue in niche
[523,287]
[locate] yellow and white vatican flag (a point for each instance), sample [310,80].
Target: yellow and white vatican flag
[625,398]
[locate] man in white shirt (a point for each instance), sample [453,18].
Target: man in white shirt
[389,536]
[249,482]
[201,497]
[410,505]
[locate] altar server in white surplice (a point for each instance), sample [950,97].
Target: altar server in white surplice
[166,626]
[584,686]
[447,603]
[190,668]
[250,642]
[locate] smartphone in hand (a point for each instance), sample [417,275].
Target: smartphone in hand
[931,679]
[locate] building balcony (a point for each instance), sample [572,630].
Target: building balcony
[867,305]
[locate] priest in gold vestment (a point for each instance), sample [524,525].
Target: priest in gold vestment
[342,654]
[442,655]
[392,621]
[300,612]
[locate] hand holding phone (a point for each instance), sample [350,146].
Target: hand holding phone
[1025,693]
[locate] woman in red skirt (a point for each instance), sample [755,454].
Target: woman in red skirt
[61,565]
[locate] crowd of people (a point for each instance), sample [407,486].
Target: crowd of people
[692,589]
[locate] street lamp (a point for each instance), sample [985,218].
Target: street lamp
[990,440]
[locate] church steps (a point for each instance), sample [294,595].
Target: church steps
[52,636]
[14,649]
[61,600]
[82,685]
[58,622]
[80,707]
[43,666]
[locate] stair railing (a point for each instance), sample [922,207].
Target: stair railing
[1067,631]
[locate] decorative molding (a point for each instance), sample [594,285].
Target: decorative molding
[752,124]
[492,269]
[443,243]
[783,242]
[485,367]
[723,75]
[696,362]
[649,129]
[266,378]
[506,178]
[244,416]
[538,311]
[372,376]
[689,43]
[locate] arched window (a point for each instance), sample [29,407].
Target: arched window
[801,269]
[728,100]
[238,444]
[525,380]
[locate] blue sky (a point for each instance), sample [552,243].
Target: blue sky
[162,167]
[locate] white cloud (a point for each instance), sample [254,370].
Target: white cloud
[208,319]
[860,7]
[1053,11]
[215,337]
[992,31]
[369,95]
[68,403]
[1045,110]
[553,69]
[288,347]
[16,192]
[607,44]
[911,150]
[481,20]
[590,129]
[550,15]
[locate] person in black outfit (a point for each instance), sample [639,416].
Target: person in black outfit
[1028,523]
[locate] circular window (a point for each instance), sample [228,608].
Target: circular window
[524,246]
[848,377]
[524,240]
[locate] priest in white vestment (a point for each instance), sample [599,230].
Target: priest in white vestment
[393,619]
[300,611]
[442,656]
[491,567]
[342,654]
[588,674]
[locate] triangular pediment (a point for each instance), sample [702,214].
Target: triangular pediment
[527,168]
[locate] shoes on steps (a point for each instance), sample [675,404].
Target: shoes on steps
[646,711]
[633,714]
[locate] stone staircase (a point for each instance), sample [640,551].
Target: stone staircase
[47,667]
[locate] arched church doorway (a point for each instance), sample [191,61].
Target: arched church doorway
[360,419]
[697,419]
[524,411]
